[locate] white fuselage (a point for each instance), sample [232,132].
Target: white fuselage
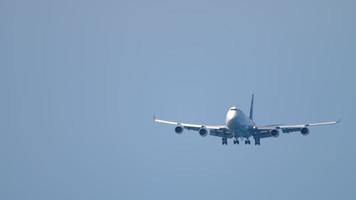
[239,123]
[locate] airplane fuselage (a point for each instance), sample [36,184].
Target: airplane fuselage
[239,123]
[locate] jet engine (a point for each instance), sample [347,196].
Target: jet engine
[203,131]
[304,131]
[179,129]
[274,133]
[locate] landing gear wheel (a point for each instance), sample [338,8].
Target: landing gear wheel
[257,141]
[236,141]
[224,141]
[247,142]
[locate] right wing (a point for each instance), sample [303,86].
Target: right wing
[219,131]
[264,131]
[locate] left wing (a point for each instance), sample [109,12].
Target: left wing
[220,131]
[264,131]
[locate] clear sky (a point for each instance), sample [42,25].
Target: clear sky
[80,81]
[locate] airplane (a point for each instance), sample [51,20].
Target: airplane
[238,125]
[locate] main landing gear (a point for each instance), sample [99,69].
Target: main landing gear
[224,141]
[257,141]
[236,141]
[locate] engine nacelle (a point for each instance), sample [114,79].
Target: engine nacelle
[274,133]
[179,129]
[203,131]
[304,131]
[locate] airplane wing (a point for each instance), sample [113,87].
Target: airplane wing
[264,131]
[219,131]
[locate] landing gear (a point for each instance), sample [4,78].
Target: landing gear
[224,141]
[236,141]
[257,141]
[247,141]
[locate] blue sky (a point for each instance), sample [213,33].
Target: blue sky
[80,81]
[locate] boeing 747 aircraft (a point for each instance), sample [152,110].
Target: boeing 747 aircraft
[238,125]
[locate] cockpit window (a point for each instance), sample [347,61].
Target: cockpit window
[233,108]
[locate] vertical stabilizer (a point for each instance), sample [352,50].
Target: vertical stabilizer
[251,108]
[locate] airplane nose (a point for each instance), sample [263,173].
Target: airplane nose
[231,114]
